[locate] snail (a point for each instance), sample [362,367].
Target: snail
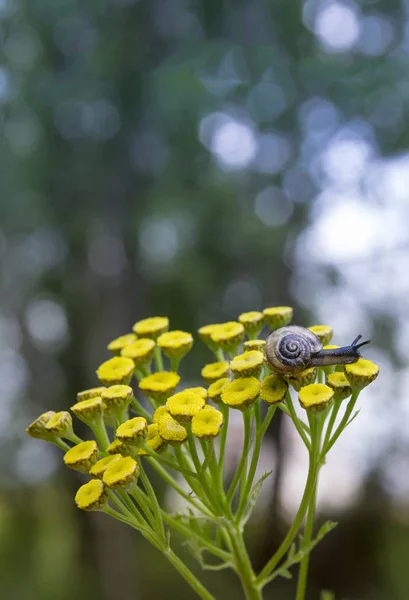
[292,349]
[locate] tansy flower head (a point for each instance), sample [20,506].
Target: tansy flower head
[116,400]
[161,410]
[198,390]
[160,386]
[120,342]
[214,371]
[205,334]
[339,383]
[91,496]
[152,327]
[102,464]
[206,424]
[91,393]
[247,364]
[116,370]
[228,336]
[315,397]
[170,430]
[175,344]
[259,345]
[82,456]
[252,322]
[132,431]
[140,352]
[37,429]
[153,440]
[184,405]
[88,410]
[118,447]
[361,373]
[273,389]
[122,474]
[241,393]
[277,316]
[215,390]
[301,379]
[323,332]
[60,425]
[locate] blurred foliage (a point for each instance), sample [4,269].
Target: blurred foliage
[156,158]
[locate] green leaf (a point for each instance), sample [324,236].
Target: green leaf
[254,495]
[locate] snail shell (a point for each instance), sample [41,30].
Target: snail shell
[291,349]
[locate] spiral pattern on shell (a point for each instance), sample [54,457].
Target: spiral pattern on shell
[290,349]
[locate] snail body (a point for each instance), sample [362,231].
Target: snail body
[292,349]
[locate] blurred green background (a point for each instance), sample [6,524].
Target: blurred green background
[200,158]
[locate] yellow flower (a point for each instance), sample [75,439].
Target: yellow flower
[361,373]
[170,430]
[152,327]
[228,335]
[273,389]
[247,364]
[89,410]
[91,496]
[153,440]
[323,332]
[132,431]
[160,386]
[140,352]
[259,345]
[118,447]
[122,474]
[252,322]
[315,397]
[339,383]
[102,464]
[162,410]
[214,371]
[301,379]
[198,390]
[37,429]
[82,456]
[205,334]
[91,393]
[206,424]
[175,344]
[116,400]
[241,393]
[120,342]
[278,316]
[215,390]
[60,425]
[184,405]
[116,370]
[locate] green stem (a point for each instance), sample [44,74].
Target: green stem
[260,430]
[316,422]
[158,359]
[219,354]
[285,410]
[243,460]
[171,481]
[174,364]
[100,432]
[296,420]
[251,586]
[335,410]
[154,500]
[188,575]
[61,444]
[137,406]
[351,405]
[212,495]
[305,501]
